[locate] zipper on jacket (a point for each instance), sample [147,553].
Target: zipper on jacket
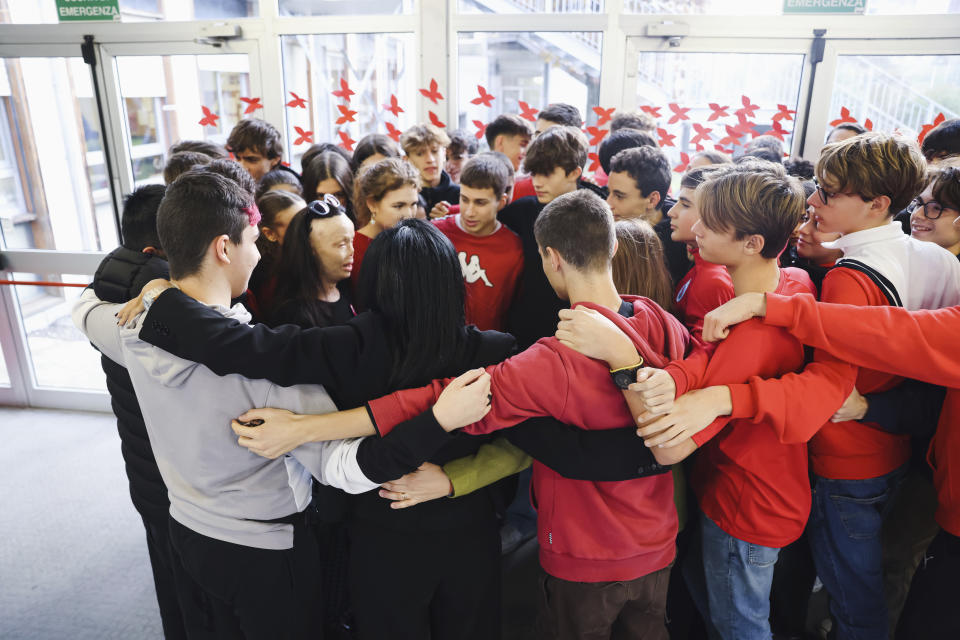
[550,537]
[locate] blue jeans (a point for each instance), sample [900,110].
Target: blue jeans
[844,534]
[729,580]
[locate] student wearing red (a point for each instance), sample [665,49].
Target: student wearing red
[753,490]
[490,254]
[926,350]
[707,285]
[591,534]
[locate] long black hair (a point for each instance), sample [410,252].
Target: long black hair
[299,280]
[411,277]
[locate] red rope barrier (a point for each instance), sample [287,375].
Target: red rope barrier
[42,283]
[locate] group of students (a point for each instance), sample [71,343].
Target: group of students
[307,462]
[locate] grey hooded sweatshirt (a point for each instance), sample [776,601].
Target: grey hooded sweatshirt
[218,488]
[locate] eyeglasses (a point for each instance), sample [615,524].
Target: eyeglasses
[932,210]
[821,192]
[325,207]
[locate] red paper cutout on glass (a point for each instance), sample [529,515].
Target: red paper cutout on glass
[666,140]
[927,127]
[252,104]
[433,94]
[733,136]
[435,121]
[603,115]
[393,132]
[868,124]
[597,134]
[684,163]
[844,117]
[481,128]
[748,110]
[679,113]
[650,110]
[346,115]
[305,136]
[344,91]
[527,112]
[703,133]
[777,130]
[209,118]
[723,149]
[297,101]
[717,111]
[393,107]
[783,113]
[485,98]
[596,162]
[346,141]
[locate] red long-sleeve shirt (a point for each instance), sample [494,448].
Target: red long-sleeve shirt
[842,450]
[588,531]
[360,245]
[750,484]
[705,287]
[915,344]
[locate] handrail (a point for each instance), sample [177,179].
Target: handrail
[42,283]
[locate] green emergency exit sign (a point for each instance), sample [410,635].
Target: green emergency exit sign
[75,10]
[824,6]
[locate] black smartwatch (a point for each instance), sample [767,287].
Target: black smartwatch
[626,376]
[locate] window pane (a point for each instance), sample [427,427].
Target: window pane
[60,354]
[531,6]
[889,92]
[164,98]
[53,187]
[375,66]
[683,86]
[775,7]
[4,374]
[536,68]
[344,7]
[45,11]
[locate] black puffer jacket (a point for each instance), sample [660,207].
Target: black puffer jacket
[120,277]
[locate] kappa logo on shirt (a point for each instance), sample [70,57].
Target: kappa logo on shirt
[472,270]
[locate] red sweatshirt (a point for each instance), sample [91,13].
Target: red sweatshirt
[588,531]
[491,268]
[915,344]
[799,406]
[360,245]
[705,287]
[750,484]
[523,188]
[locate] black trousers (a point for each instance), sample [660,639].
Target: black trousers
[255,593]
[932,611]
[184,610]
[440,585]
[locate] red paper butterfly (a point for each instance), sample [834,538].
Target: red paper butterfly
[344,91]
[717,111]
[596,162]
[432,95]
[297,102]
[666,140]
[252,104]
[703,133]
[603,115]
[684,163]
[346,115]
[481,128]
[748,110]
[527,112]
[844,117]
[435,121]
[783,113]
[653,111]
[209,118]
[393,132]
[393,107]
[305,136]
[485,98]
[597,134]
[346,141]
[679,113]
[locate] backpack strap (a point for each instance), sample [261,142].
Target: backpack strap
[885,286]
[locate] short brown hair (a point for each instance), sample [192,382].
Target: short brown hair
[639,265]
[946,186]
[558,146]
[422,135]
[378,179]
[485,171]
[579,226]
[507,124]
[750,200]
[633,120]
[257,135]
[181,162]
[874,164]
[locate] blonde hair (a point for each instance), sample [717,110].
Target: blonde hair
[755,198]
[639,265]
[422,135]
[874,164]
[378,179]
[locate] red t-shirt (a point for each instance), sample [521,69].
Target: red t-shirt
[360,245]
[752,485]
[523,188]
[491,268]
[705,287]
